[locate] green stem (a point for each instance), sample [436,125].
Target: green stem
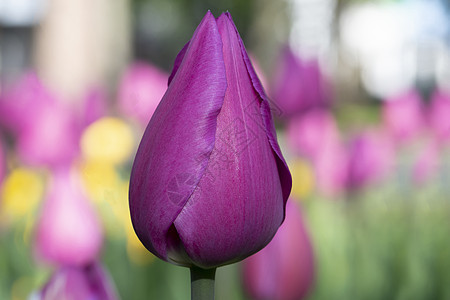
[202,283]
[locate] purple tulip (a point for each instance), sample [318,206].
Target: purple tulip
[46,130]
[68,231]
[209,184]
[403,116]
[439,116]
[284,270]
[141,89]
[299,85]
[370,158]
[89,282]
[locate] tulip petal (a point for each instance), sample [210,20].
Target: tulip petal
[242,159]
[283,170]
[182,131]
[177,62]
[266,112]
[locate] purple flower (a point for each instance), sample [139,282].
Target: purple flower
[89,282]
[141,89]
[209,184]
[439,116]
[370,158]
[284,270]
[403,116]
[68,231]
[299,85]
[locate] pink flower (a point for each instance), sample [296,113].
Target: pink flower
[439,116]
[403,116]
[46,130]
[299,85]
[427,163]
[141,88]
[68,231]
[370,158]
[308,134]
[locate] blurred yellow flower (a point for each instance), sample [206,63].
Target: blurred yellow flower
[101,181]
[108,140]
[302,179]
[108,192]
[21,192]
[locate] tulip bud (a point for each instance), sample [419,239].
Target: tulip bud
[68,232]
[284,270]
[81,283]
[209,184]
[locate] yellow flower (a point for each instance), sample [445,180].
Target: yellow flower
[21,192]
[100,180]
[108,140]
[108,192]
[302,179]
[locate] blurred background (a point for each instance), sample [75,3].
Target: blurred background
[360,92]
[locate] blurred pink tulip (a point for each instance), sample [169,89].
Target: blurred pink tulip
[403,116]
[370,158]
[52,139]
[81,283]
[141,88]
[20,102]
[330,168]
[307,134]
[427,163]
[439,116]
[68,231]
[299,85]
[315,136]
[284,269]
[46,130]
